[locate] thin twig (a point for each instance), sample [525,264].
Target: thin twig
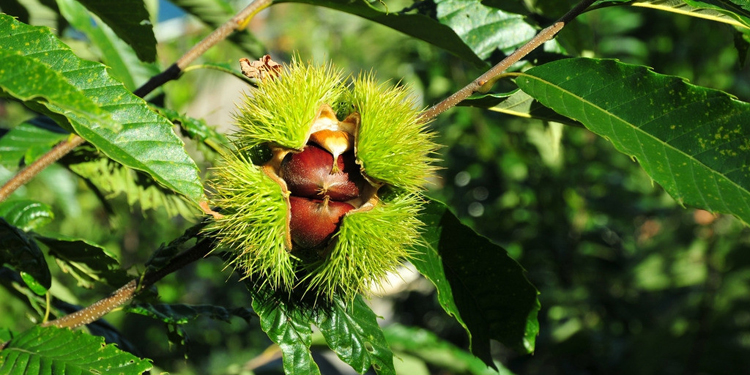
[237,22]
[31,170]
[543,36]
[126,293]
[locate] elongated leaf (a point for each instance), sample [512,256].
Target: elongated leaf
[42,71]
[87,262]
[292,332]
[26,214]
[23,254]
[517,103]
[692,140]
[418,25]
[25,140]
[115,53]
[352,332]
[130,21]
[431,348]
[482,28]
[214,13]
[700,9]
[478,284]
[181,314]
[62,351]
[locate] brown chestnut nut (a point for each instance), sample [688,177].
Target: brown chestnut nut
[314,221]
[309,174]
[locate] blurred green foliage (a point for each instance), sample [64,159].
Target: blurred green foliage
[630,281]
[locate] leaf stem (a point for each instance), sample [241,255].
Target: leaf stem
[476,85]
[238,22]
[126,293]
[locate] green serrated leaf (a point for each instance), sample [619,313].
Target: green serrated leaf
[692,140]
[291,331]
[122,60]
[432,349]
[26,214]
[130,20]
[419,26]
[699,9]
[87,262]
[484,29]
[23,254]
[55,350]
[214,13]
[44,72]
[352,332]
[182,314]
[478,284]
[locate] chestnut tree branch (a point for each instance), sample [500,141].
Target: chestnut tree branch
[126,293]
[543,36]
[238,22]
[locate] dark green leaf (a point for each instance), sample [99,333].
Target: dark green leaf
[62,351]
[88,263]
[214,13]
[693,141]
[5,335]
[352,332]
[23,254]
[124,65]
[15,146]
[716,11]
[26,214]
[181,314]
[164,254]
[292,331]
[478,284]
[139,138]
[482,28]
[416,25]
[431,348]
[130,21]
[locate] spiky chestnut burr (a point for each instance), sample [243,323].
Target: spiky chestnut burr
[335,207]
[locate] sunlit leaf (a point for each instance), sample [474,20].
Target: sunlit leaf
[44,73]
[478,284]
[52,350]
[693,141]
[717,11]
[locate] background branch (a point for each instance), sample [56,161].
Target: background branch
[541,38]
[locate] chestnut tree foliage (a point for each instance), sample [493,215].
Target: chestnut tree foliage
[609,166]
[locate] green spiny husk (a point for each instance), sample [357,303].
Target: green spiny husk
[254,211]
[368,245]
[281,111]
[393,145]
